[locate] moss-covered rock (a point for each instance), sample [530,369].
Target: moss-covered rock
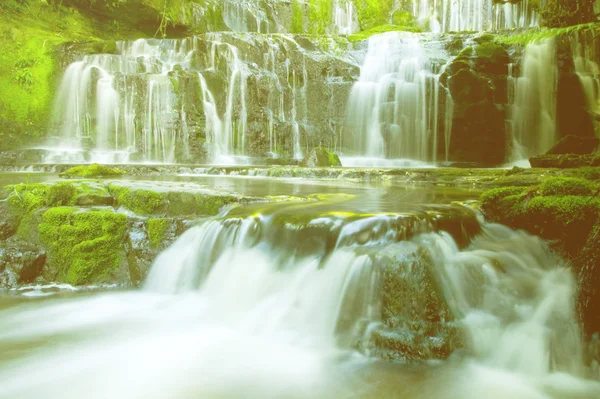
[568,186]
[157,231]
[84,247]
[566,211]
[565,161]
[93,170]
[319,157]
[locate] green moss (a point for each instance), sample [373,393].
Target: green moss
[364,35]
[61,194]
[212,204]
[563,211]
[567,186]
[372,13]
[490,51]
[141,202]
[157,231]
[93,170]
[297,18]
[537,34]
[83,247]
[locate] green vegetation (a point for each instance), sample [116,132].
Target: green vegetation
[31,32]
[142,202]
[83,247]
[93,170]
[157,231]
[537,34]
[364,35]
[297,17]
[372,13]
[562,208]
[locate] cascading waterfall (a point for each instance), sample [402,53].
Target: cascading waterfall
[473,15]
[345,20]
[394,108]
[98,101]
[585,58]
[533,111]
[245,16]
[142,103]
[250,308]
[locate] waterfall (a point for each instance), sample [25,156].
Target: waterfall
[250,307]
[98,101]
[473,15]
[585,59]
[141,103]
[345,19]
[533,111]
[245,16]
[394,108]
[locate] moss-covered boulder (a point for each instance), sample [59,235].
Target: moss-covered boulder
[566,211]
[320,158]
[84,247]
[93,170]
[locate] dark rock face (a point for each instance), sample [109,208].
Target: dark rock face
[9,221]
[22,260]
[572,144]
[476,80]
[320,158]
[573,116]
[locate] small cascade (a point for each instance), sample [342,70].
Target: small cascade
[98,104]
[394,108]
[259,307]
[231,139]
[245,16]
[473,15]
[586,58]
[533,121]
[345,18]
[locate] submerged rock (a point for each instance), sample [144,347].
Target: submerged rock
[320,158]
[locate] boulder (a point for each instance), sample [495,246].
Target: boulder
[320,158]
[23,260]
[572,144]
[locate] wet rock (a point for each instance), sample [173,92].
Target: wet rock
[572,144]
[9,221]
[23,260]
[477,82]
[417,323]
[565,161]
[320,158]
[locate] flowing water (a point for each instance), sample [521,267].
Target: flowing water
[396,104]
[473,15]
[533,111]
[292,301]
